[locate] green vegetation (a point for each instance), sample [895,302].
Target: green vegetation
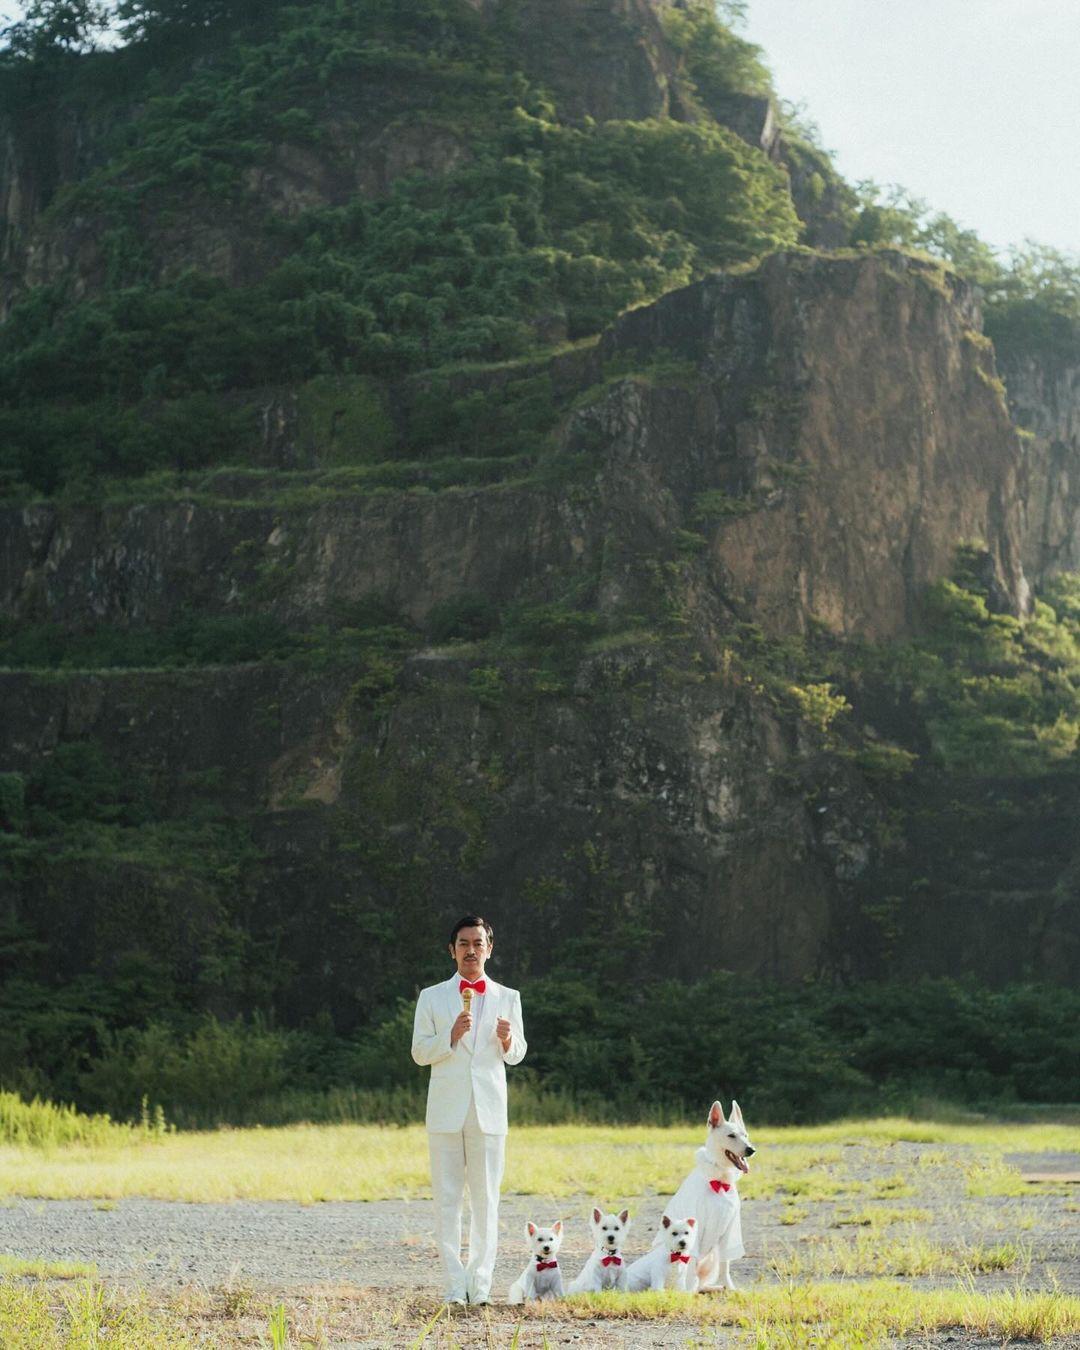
[319,1162]
[974,725]
[38,1124]
[532,228]
[1031,298]
[819,1052]
[531,222]
[42,1317]
[718,61]
[199,641]
[847,1315]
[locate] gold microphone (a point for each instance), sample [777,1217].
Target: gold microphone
[466,999]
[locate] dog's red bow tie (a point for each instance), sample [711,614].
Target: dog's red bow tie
[547,1265]
[477,986]
[678,1256]
[611,1260]
[719,1186]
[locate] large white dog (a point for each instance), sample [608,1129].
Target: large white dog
[711,1195]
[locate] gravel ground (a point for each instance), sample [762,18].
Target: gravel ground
[386,1246]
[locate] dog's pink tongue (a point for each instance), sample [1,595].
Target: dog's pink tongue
[734,1158]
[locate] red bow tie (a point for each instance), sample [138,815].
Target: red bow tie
[678,1256]
[719,1186]
[477,986]
[546,1265]
[611,1260]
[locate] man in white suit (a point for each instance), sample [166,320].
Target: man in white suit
[466,1107]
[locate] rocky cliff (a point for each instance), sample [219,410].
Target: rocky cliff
[830,428]
[1044,396]
[644,639]
[815,442]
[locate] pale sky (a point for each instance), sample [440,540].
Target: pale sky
[973,105]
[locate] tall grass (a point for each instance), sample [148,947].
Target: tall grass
[805,1313]
[847,1315]
[84,1315]
[49,1125]
[311,1163]
[909,1255]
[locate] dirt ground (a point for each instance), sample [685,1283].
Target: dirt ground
[367,1274]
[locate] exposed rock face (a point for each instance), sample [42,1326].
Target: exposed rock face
[683,806]
[146,563]
[855,426]
[1044,396]
[606,59]
[837,431]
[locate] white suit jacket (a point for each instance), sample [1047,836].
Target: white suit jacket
[476,1070]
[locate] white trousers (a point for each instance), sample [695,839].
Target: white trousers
[467,1155]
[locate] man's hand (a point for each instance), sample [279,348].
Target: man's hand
[460,1027]
[502,1030]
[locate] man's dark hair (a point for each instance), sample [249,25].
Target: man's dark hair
[472,921]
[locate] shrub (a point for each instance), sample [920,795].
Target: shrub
[12,801]
[213,1072]
[551,626]
[464,618]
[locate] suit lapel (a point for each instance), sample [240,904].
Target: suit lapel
[453,1003]
[487,1021]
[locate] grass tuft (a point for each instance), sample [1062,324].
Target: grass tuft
[909,1255]
[17,1267]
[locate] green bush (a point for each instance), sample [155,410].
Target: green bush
[999,696]
[718,61]
[46,1125]
[215,1071]
[193,640]
[818,1051]
[12,801]
[552,626]
[463,618]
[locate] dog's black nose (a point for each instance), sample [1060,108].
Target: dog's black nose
[750,1151]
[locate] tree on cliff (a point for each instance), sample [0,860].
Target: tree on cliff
[151,19]
[52,26]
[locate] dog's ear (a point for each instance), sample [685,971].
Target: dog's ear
[666,1221]
[556,1227]
[596,1216]
[530,1228]
[736,1115]
[716,1116]
[624,1217]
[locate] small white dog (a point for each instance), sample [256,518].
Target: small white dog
[606,1267]
[710,1194]
[670,1264]
[542,1277]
